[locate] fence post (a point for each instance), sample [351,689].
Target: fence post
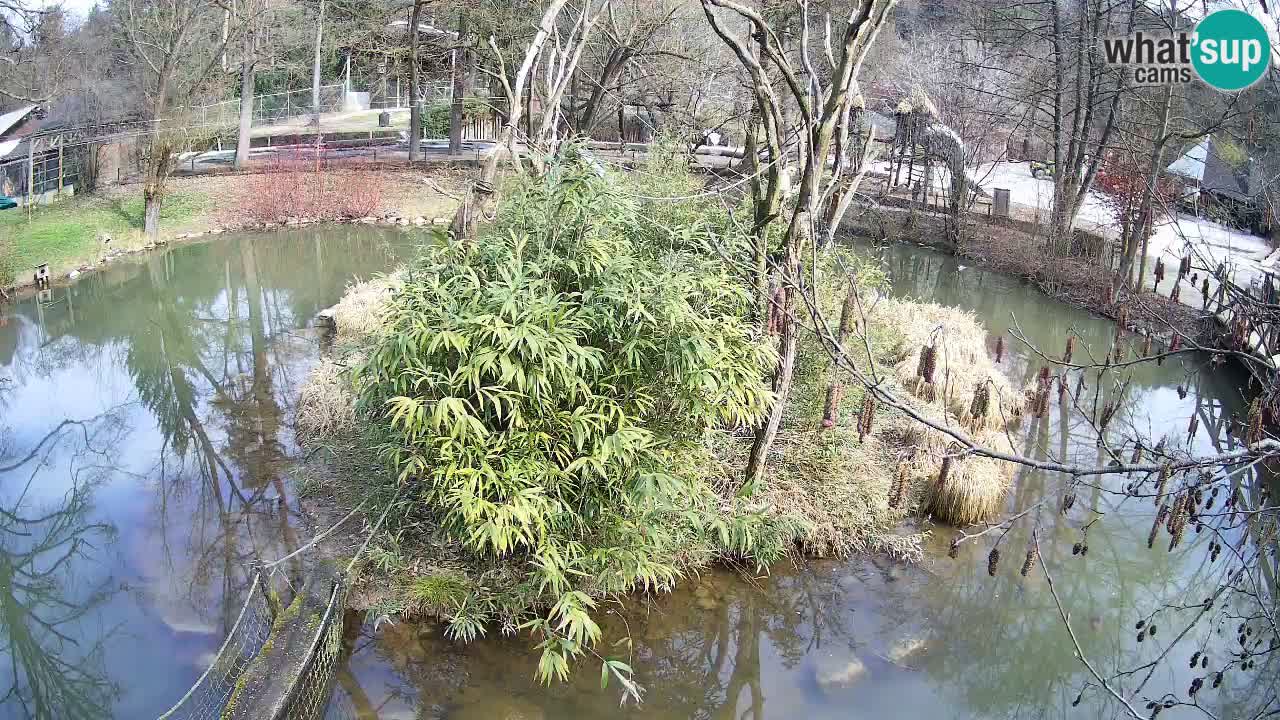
[31,173]
[60,169]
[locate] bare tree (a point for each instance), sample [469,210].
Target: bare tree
[822,100]
[33,60]
[513,88]
[415,81]
[250,12]
[627,36]
[459,80]
[176,46]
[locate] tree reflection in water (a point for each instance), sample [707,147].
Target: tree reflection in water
[54,646]
[205,344]
[712,650]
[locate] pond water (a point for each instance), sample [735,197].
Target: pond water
[144,426]
[145,418]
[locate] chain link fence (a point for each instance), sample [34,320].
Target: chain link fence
[43,175]
[207,699]
[274,108]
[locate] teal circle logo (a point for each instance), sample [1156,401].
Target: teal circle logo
[1232,50]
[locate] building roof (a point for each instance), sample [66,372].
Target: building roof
[12,119]
[1191,164]
[1205,164]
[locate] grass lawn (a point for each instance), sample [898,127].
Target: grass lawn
[65,234]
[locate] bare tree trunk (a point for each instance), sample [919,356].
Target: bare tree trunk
[767,433]
[248,69]
[457,106]
[315,69]
[1141,230]
[1059,226]
[618,60]
[415,91]
[157,170]
[152,199]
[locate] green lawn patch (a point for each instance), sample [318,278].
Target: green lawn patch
[66,234]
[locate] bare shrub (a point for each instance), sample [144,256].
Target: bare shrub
[295,186]
[356,193]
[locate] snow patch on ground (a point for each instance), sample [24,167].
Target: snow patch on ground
[1248,257]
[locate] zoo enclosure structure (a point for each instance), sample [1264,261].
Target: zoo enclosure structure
[273,108]
[44,167]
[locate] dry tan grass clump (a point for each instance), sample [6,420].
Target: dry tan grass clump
[962,365]
[972,489]
[327,402]
[359,314]
[836,487]
[967,393]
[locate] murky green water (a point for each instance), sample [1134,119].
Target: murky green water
[145,418]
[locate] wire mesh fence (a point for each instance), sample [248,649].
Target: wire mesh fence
[40,174]
[208,697]
[274,108]
[308,698]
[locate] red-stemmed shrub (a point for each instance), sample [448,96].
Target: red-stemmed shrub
[297,185]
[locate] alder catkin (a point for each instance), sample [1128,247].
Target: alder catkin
[981,400]
[900,486]
[1028,562]
[928,362]
[1155,526]
[1162,484]
[943,472]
